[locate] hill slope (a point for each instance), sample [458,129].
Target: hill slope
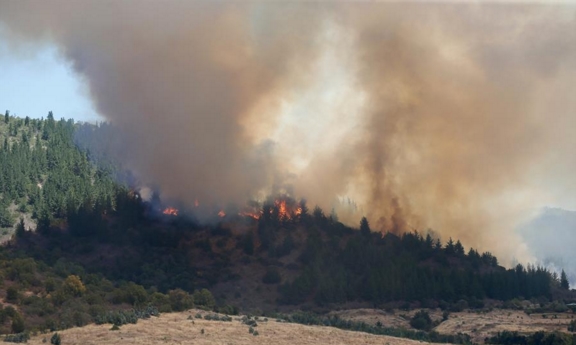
[175,328]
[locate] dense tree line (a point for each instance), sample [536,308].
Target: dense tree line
[341,265]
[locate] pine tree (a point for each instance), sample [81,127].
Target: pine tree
[564,284]
[365,227]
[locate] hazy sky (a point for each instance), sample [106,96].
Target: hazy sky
[34,83]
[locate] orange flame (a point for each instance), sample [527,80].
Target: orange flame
[282,210]
[170,211]
[253,215]
[221,214]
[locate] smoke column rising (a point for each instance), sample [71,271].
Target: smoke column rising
[458,117]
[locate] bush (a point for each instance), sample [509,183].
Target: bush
[161,301]
[180,300]
[204,298]
[17,323]
[122,317]
[73,286]
[11,295]
[17,338]
[421,320]
[228,310]
[56,339]
[572,326]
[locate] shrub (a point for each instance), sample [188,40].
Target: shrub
[204,298]
[17,338]
[445,315]
[180,300]
[56,339]
[122,317]
[572,326]
[73,286]
[228,310]
[421,320]
[17,323]
[11,295]
[161,301]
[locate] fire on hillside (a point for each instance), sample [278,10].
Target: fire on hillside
[282,207]
[170,211]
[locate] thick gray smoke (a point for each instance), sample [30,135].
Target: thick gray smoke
[454,117]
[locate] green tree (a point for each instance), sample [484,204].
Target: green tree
[6,219]
[73,286]
[180,300]
[18,323]
[204,298]
[564,284]
[7,116]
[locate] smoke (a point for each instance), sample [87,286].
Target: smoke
[449,116]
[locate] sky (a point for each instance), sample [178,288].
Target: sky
[40,81]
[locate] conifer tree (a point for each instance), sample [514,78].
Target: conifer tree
[564,284]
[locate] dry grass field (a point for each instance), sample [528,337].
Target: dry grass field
[478,325]
[178,328]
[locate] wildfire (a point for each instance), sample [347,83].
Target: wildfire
[221,214]
[284,207]
[287,208]
[253,215]
[282,210]
[170,211]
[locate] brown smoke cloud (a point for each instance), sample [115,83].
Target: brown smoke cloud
[454,117]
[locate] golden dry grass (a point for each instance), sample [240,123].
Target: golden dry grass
[478,325]
[175,328]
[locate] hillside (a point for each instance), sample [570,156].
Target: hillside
[175,328]
[88,243]
[188,328]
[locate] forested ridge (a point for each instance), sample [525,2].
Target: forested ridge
[93,246]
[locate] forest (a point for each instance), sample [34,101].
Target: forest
[81,244]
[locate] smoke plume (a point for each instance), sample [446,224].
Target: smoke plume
[455,117]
